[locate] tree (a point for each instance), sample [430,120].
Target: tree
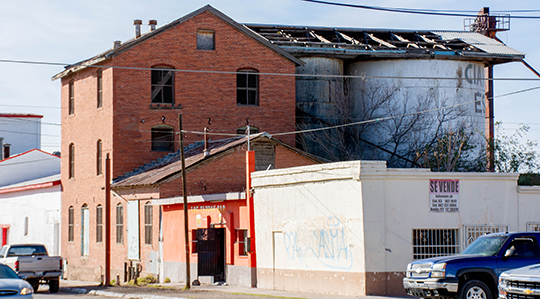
[512,155]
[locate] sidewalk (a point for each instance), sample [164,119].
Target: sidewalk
[174,290]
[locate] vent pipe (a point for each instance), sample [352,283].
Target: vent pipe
[6,150]
[137,24]
[117,43]
[152,24]
[205,151]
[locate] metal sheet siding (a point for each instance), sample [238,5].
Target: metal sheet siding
[480,41]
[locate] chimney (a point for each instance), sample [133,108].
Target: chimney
[152,24]
[117,43]
[137,24]
[6,150]
[205,151]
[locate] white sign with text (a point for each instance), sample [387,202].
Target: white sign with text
[444,195]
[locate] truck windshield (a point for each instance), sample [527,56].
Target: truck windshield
[485,245]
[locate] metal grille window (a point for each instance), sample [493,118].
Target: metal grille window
[205,40]
[242,241]
[71,225]
[71,104]
[99,224]
[533,226]
[148,215]
[429,243]
[471,232]
[163,85]
[119,224]
[247,87]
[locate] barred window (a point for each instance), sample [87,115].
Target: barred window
[99,224]
[533,226]
[194,241]
[119,224]
[148,215]
[242,236]
[429,243]
[472,232]
[71,225]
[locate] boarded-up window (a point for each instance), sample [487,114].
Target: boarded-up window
[119,224]
[205,40]
[265,155]
[99,160]
[71,161]
[99,89]
[71,104]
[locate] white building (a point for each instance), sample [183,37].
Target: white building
[350,228]
[30,198]
[20,133]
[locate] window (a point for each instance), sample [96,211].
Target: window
[205,40]
[533,226]
[265,155]
[243,130]
[163,139]
[71,105]
[85,230]
[148,216]
[163,85]
[242,236]
[99,89]
[26,226]
[429,243]
[471,233]
[99,224]
[119,224]
[247,87]
[524,247]
[99,158]
[71,161]
[71,225]
[194,241]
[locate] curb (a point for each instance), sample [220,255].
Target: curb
[130,296]
[73,290]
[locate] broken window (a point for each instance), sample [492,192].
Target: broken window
[247,87]
[163,139]
[205,40]
[163,85]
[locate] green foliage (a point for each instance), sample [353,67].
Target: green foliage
[167,280]
[529,179]
[113,282]
[513,155]
[146,280]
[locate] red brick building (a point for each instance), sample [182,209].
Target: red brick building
[125,103]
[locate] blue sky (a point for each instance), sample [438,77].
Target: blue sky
[69,31]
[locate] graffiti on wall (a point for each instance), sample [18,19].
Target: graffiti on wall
[327,246]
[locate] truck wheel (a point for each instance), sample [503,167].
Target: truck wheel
[475,289]
[53,285]
[34,283]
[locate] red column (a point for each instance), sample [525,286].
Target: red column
[250,167]
[4,235]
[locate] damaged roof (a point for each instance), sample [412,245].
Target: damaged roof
[169,167]
[360,43]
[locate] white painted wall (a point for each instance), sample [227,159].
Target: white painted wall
[28,166]
[368,212]
[23,133]
[42,207]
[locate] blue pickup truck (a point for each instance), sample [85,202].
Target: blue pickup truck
[474,273]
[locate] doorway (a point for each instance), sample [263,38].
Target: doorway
[211,253]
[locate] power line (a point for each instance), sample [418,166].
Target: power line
[409,11]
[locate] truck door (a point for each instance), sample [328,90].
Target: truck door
[520,252]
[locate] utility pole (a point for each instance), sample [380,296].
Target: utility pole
[107,221]
[184,192]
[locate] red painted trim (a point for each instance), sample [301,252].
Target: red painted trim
[22,115]
[35,149]
[30,187]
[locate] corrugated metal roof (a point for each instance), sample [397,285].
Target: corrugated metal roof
[479,41]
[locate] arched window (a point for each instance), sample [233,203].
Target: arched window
[71,94]
[99,89]
[71,224]
[99,160]
[148,220]
[119,224]
[71,160]
[247,87]
[163,138]
[163,85]
[99,224]
[85,230]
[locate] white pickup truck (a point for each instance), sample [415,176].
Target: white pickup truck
[32,263]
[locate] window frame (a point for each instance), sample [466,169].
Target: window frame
[157,88]
[71,158]
[242,240]
[99,157]
[83,235]
[71,224]
[148,223]
[99,224]
[119,223]
[159,145]
[99,88]
[194,241]
[434,248]
[202,43]
[247,72]
[71,97]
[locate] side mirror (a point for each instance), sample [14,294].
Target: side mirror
[510,252]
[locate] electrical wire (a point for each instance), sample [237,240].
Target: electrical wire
[409,11]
